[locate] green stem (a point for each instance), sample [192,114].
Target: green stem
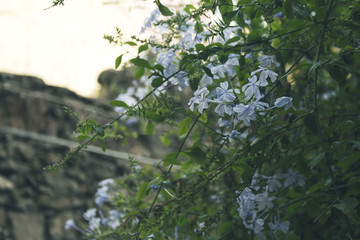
[167,174]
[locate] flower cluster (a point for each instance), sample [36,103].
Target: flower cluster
[228,99]
[254,204]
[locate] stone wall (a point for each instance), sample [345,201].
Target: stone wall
[35,132]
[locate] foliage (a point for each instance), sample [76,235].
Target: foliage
[269,138]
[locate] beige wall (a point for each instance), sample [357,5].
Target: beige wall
[65,45]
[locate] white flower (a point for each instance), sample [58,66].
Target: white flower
[272,183]
[227,68]
[199,98]
[267,61]
[223,93]
[221,109]
[276,225]
[90,216]
[264,74]
[263,201]
[114,219]
[283,102]
[252,88]
[292,177]
[70,223]
[245,113]
[102,195]
[106,182]
[90,213]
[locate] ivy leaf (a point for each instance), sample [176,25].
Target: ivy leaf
[165,11]
[118,61]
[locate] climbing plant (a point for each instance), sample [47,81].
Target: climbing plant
[262,100]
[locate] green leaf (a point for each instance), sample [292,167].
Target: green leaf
[226,6]
[194,83]
[198,27]
[82,137]
[100,131]
[103,146]
[316,160]
[347,206]
[157,82]
[143,48]
[207,71]
[196,154]
[199,47]
[140,62]
[171,159]
[310,123]
[229,16]
[139,73]
[118,103]
[118,61]
[157,234]
[288,9]
[141,193]
[149,128]
[165,11]
[232,40]
[203,118]
[131,43]
[165,140]
[184,126]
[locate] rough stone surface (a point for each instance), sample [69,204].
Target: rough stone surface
[34,204]
[28,226]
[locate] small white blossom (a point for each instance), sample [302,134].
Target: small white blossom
[245,113]
[252,88]
[228,68]
[70,223]
[276,225]
[264,75]
[199,98]
[293,178]
[267,61]
[223,93]
[264,201]
[285,102]
[272,183]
